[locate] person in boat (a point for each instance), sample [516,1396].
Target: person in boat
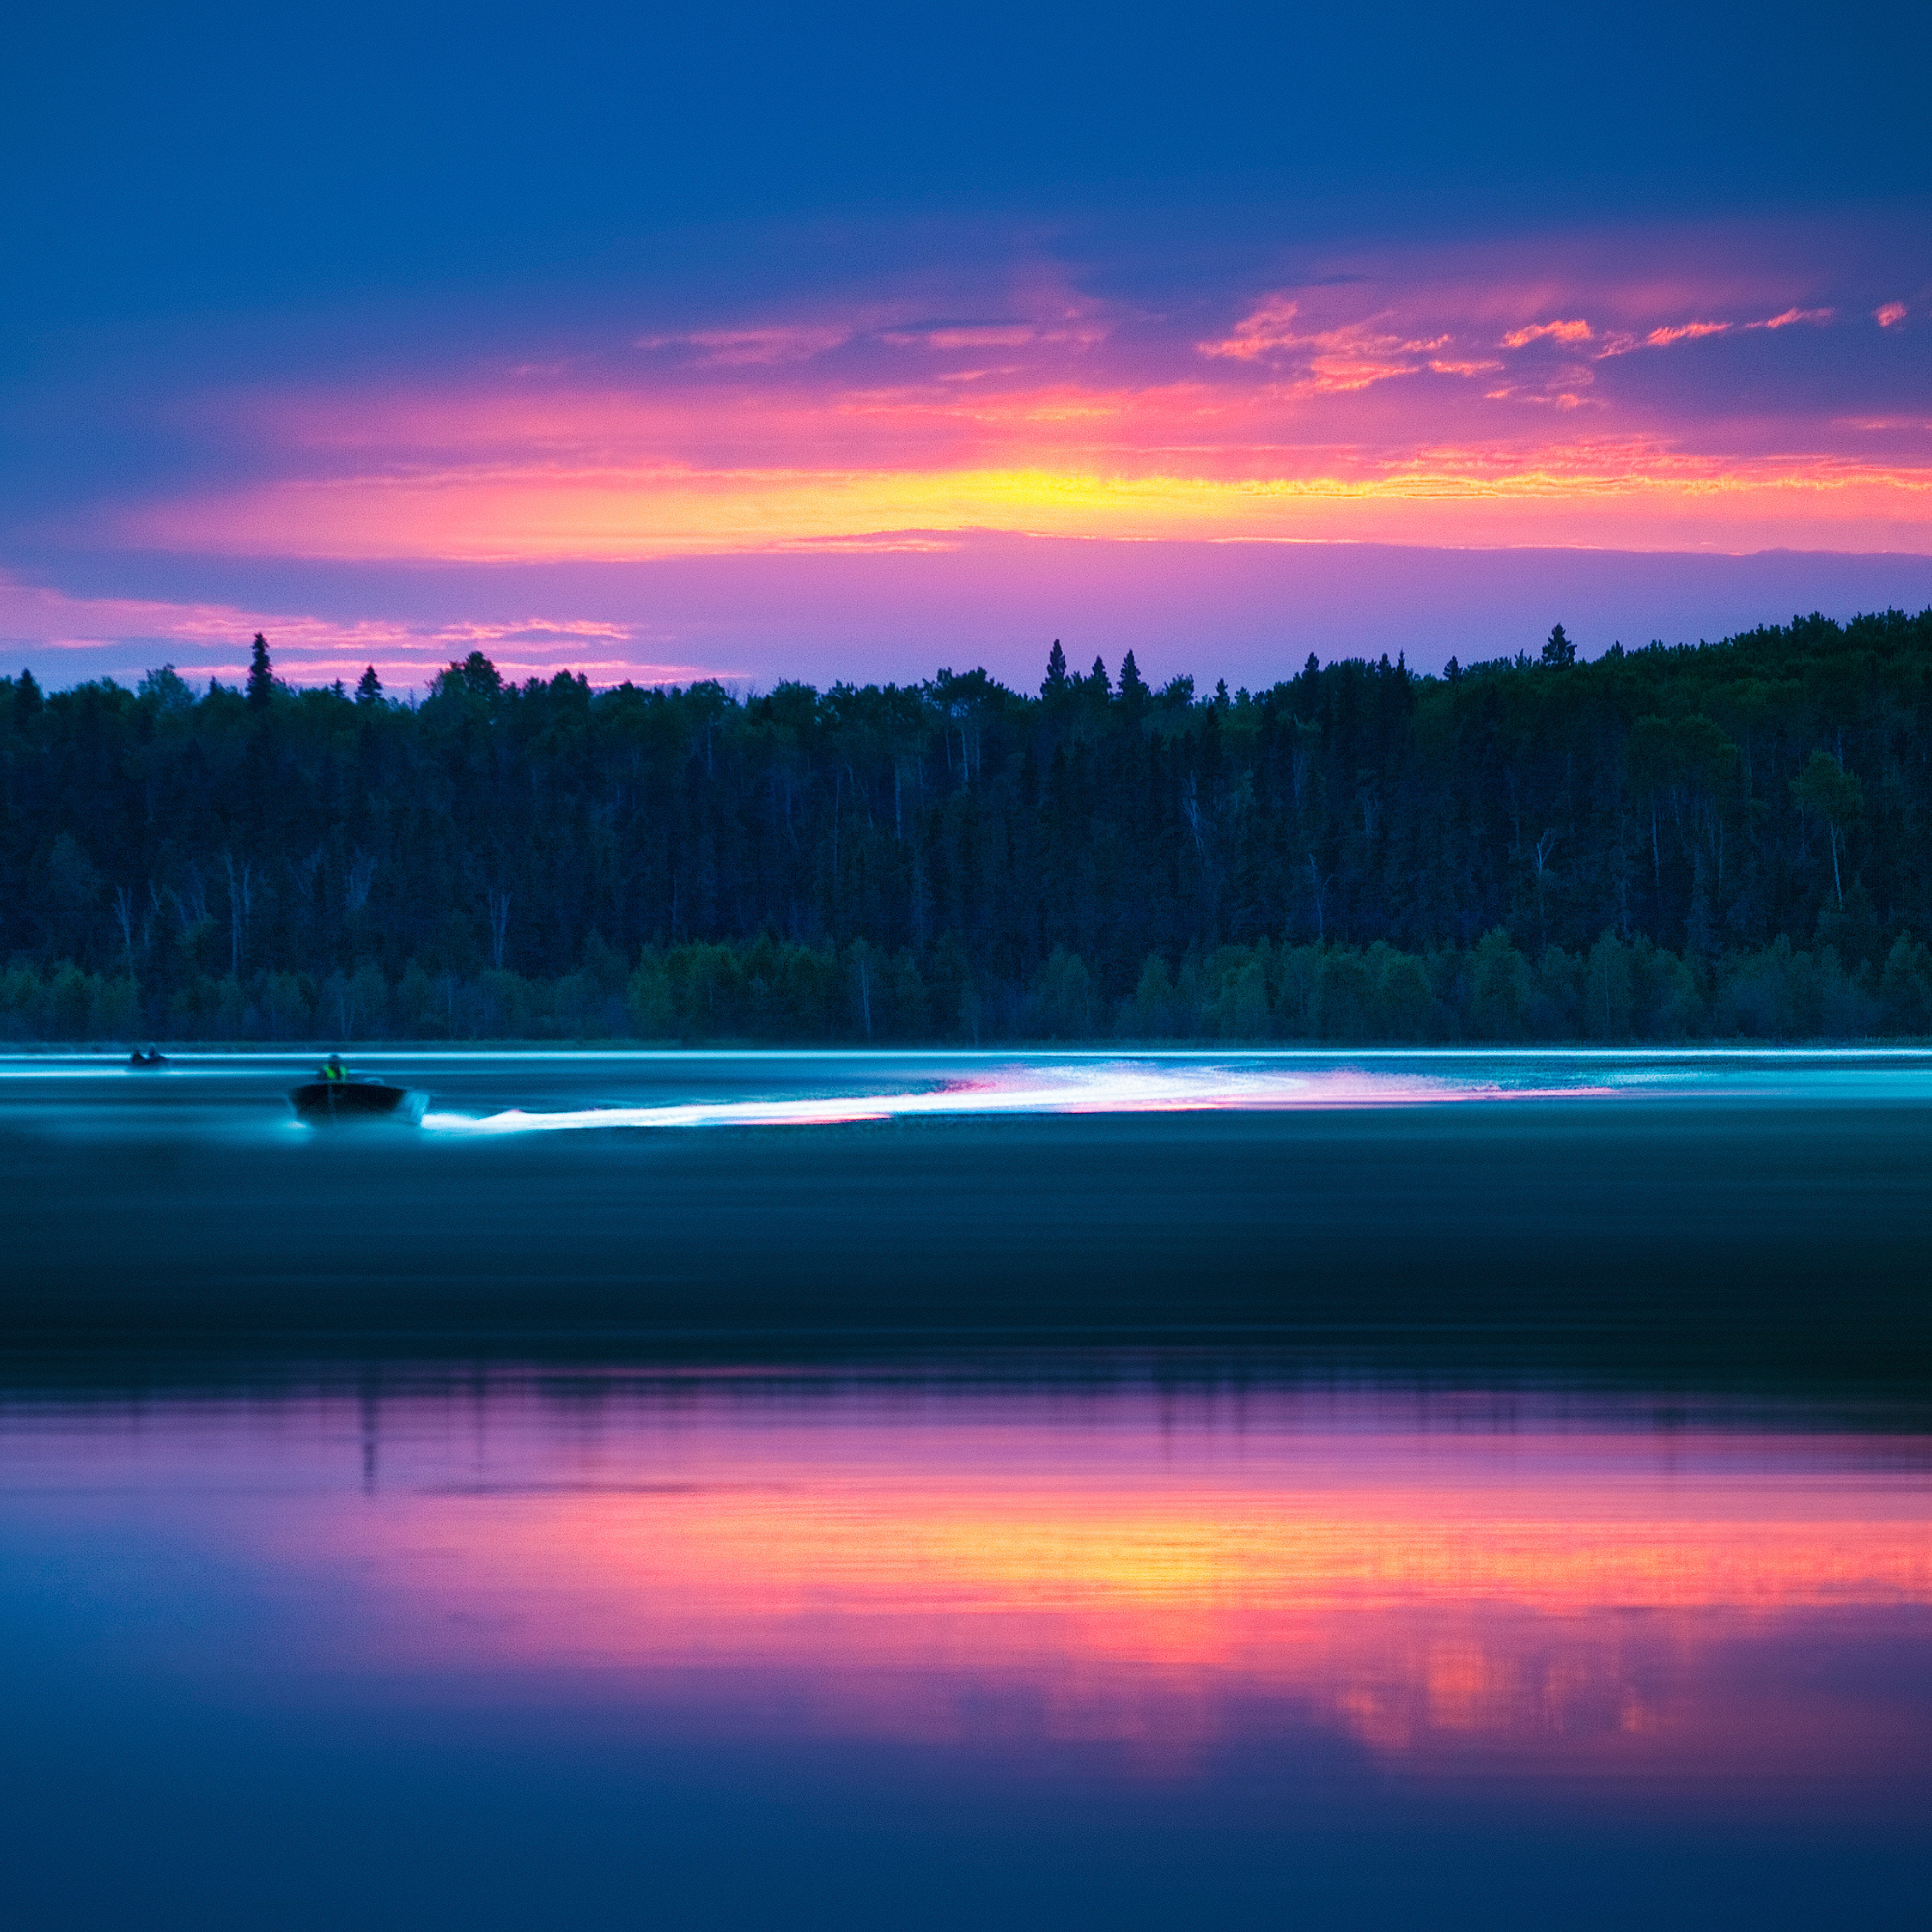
[148,1055]
[333,1072]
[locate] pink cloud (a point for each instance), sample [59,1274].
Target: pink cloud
[1338,360]
[1891,313]
[1686,331]
[1792,315]
[316,650]
[1556,331]
[965,335]
[1350,358]
[1261,332]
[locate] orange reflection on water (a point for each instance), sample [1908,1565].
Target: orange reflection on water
[1605,1602]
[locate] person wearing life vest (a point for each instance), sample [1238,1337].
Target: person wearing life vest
[334,1073]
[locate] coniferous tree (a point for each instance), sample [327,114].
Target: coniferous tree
[261,675]
[1056,672]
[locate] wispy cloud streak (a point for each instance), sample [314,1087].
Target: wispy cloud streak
[210,639]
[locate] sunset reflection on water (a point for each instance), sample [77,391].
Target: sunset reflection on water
[1455,1587]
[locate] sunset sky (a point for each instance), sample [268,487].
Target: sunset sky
[850,344]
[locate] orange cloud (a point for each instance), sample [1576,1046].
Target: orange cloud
[1350,358]
[1556,331]
[1266,330]
[1686,331]
[1792,315]
[1338,360]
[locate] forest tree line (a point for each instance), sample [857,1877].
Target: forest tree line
[1723,840]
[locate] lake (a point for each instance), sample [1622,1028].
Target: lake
[730,1489]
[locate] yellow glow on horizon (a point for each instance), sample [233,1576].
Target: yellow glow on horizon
[559,512]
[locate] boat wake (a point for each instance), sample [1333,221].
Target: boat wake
[1115,1086]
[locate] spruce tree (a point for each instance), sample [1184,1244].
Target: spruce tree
[1056,672]
[261,675]
[369,688]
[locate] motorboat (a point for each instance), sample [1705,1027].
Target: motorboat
[147,1060]
[325,1103]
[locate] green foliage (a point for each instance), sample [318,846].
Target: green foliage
[165,693]
[1344,997]
[1825,787]
[1499,990]
[1060,1002]
[769,992]
[1905,988]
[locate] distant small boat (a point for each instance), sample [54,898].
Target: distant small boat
[145,1059]
[325,1103]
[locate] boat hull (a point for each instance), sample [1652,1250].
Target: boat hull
[328,1103]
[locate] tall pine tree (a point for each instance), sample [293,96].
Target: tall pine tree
[261,675]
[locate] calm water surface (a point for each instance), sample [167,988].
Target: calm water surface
[747,1489]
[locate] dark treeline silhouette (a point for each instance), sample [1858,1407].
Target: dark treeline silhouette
[1725,839]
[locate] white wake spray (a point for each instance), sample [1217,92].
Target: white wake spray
[1111,1087]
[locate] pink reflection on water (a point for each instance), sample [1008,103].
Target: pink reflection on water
[1460,1589]
[1111,1087]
